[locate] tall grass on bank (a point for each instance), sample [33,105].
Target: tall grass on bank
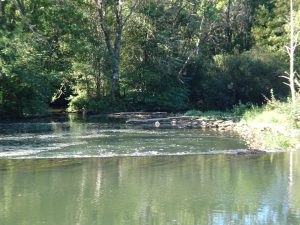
[275,125]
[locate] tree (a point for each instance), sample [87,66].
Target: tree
[268,29]
[273,31]
[113,36]
[140,55]
[294,34]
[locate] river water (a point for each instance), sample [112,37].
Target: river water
[86,171]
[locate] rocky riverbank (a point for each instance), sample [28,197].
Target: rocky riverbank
[266,136]
[221,123]
[254,135]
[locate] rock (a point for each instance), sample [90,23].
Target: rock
[195,123]
[228,123]
[184,121]
[173,122]
[203,123]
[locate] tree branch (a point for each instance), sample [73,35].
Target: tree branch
[101,12]
[297,83]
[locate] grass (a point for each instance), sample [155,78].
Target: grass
[275,125]
[276,113]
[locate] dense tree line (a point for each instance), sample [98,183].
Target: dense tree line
[107,55]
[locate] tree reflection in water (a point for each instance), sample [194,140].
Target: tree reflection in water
[209,189]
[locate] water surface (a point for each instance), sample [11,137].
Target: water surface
[98,138]
[173,180]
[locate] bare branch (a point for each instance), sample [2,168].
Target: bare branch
[285,77]
[297,83]
[196,48]
[183,68]
[296,42]
[58,93]
[286,19]
[287,50]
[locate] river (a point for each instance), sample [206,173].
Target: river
[88,171]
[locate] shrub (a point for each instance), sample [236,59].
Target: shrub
[82,103]
[193,112]
[239,78]
[240,109]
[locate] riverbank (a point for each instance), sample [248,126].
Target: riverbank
[274,126]
[268,127]
[221,123]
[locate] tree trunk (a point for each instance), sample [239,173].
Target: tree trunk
[228,27]
[117,49]
[114,46]
[293,44]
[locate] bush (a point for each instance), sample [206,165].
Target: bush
[240,109]
[239,78]
[82,103]
[193,112]
[20,98]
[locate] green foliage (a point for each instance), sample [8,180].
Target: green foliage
[173,55]
[241,78]
[24,86]
[274,112]
[193,112]
[269,26]
[35,50]
[240,109]
[81,103]
[172,100]
[276,141]
[276,124]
